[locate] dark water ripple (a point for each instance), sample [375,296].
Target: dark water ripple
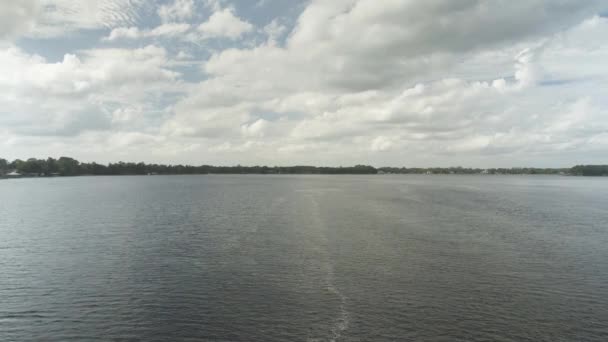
[304,258]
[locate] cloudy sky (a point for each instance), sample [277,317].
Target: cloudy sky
[327,82]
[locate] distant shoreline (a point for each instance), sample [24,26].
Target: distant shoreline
[4,177]
[66,166]
[308,174]
[439,175]
[293,174]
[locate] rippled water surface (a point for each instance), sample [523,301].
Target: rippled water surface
[304,258]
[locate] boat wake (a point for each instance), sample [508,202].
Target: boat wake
[341,322]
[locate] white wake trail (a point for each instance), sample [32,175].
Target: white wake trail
[341,322]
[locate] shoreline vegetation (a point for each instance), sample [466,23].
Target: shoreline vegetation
[66,166]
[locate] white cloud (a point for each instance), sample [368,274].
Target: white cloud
[359,45]
[124,33]
[528,72]
[80,92]
[18,16]
[169,30]
[451,115]
[381,144]
[127,115]
[60,17]
[183,55]
[179,10]
[350,81]
[274,31]
[224,23]
[164,30]
[255,129]
[214,5]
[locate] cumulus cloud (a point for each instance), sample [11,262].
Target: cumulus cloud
[80,92]
[348,81]
[18,17]
[358,45]
[255,129]
[224,23]
[381,144]
[452,115]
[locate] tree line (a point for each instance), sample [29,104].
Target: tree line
[590,170]
[66,166]
[470,171]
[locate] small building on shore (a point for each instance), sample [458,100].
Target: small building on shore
[13,174]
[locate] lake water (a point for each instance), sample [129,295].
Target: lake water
[304,258]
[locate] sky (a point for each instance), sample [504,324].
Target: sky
[478,83]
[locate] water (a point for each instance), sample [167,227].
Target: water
[304,258]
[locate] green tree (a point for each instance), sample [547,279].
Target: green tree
[68,166]
[51,166]
[3,166]
[32,166]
